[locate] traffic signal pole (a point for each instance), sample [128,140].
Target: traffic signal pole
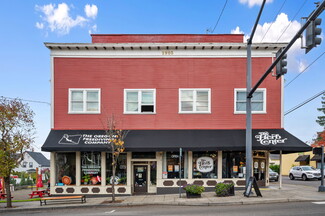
[311,18]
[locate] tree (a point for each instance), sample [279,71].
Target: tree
[16,136]
[321,119]
[116,141]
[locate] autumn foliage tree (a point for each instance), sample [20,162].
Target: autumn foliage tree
[320,138]
[16,136]
[116,142]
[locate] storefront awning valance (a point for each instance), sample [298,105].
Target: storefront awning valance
[273,140]
[302,158]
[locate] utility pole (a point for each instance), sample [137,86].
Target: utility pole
[249,160]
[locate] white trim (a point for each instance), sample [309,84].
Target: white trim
[253,112]
[84,111]
[52,91]
[194,100]
[196,53]
[139,101]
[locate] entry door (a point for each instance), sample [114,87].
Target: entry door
[140,179]
[259,167]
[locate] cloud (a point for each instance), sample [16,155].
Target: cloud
[39,25]
[93,29]
[237,31]
[252,3]
[281,30]
[91,11]
[58,18]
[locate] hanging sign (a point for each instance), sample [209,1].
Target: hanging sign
[204,164]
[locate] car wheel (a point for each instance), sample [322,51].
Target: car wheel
[277,179]
[304,177]
[291,177]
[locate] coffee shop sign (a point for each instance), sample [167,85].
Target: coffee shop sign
[265,138]
[204,164]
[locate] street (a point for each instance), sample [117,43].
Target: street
[294,208]
[311,183]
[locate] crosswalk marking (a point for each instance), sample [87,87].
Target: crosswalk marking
[320,203]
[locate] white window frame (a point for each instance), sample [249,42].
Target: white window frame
[84,111]
[30,165]
[139,102]
[253,112]
[24,164]
[194,100]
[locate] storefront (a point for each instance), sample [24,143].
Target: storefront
[81,159]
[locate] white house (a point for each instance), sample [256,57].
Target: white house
[33,160]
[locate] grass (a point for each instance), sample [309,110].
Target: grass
[29,200]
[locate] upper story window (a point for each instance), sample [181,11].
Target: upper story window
[30,164]
[84,100]
[139,101]
[24,165]
[258,101]
[194,100]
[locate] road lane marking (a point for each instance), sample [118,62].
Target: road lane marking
[320,203]
[110,212]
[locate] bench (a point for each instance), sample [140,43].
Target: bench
[82,197]
[40,193]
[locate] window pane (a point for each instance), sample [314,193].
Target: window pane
[257,96]
[132,96]
[187,106]
[209,164]
[132,107]
[77,95]
[202,106]
[202,96]
[92,106]
[240,106]
[91,168]
[233,164]
[256,106]
[186,95]
[77,106]
[65,164]
[92,96]
[241,96]
[147,98]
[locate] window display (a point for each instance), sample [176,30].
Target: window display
[205,164]
[65,168]
[91,168]
[172,166]
[233,164]
[120,172]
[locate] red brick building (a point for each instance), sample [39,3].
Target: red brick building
[171,92]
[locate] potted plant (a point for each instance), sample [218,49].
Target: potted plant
[194,191]
[225,189]
[86,179]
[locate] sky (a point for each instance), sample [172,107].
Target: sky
[26,25]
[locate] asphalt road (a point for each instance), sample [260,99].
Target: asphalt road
[285,209]
[312,182]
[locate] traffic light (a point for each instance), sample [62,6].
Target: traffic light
[281,66]
[312,31]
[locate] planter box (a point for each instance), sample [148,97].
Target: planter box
[190,195]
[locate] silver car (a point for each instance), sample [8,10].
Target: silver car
[304,172]
[273,176]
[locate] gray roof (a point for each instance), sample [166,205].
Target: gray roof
[40,158]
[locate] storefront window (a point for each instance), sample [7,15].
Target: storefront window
[65,168]
[120,172]
[205,164]
[91,168]
[171,167]
[233,165]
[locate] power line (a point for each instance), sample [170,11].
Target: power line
[305,69]
[273,19]
[292,19]
[32,101]
[224,6]
[303,103]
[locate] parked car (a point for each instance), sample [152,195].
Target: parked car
[304,172]
[273,176]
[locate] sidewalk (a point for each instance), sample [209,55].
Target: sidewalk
[288,193]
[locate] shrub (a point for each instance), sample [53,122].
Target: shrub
[275,168]
[223,189]
[194,189]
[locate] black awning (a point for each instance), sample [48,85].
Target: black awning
[273,140]
[316,157]
[302,158]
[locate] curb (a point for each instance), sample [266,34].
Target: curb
[230,203]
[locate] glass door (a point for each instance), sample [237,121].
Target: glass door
[259,167]
[140,179]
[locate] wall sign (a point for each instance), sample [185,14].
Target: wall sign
[265,138]
[88,139]
[204,164]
